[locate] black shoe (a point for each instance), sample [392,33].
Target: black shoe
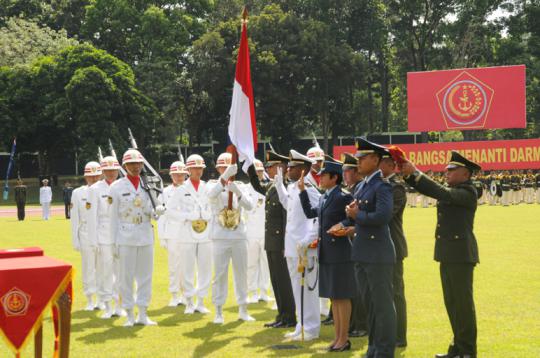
[271,324]
[283,324]
[401,344]
[345,347]
[328,321]
[358,333]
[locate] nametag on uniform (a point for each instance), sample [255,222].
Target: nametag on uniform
[126,194]
[187,194]
[104,196]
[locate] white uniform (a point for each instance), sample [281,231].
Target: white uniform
[300,232]
[258,272]
[169,232]
[195,248]
[82,218]
[45,198]
[107,262]
[229,245]
[133,234]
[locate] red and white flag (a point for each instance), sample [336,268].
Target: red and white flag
[242,125]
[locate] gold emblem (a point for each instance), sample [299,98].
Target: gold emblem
[109,200]
[15,302]
[199,225]
[88,205]
[229,218]
[465,102]
[137,201]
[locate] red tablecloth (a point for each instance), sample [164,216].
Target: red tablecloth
[27,286]
[22,252]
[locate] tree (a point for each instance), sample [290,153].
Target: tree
[22,41]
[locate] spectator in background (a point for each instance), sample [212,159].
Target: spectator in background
[45,198]
[67,192]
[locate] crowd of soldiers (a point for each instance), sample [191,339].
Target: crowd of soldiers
[314,228]
[503,188]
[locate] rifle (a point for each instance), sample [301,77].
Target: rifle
[152,184]
[113,154]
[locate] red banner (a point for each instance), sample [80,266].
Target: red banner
[470,98]
[491,155]
[27,286]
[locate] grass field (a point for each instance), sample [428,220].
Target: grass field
[507,293]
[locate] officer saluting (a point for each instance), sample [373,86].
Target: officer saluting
[455,246]
[131,228]
[275,220]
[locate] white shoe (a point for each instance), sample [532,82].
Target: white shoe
[108,311]
[307,337]
[90,305]
[219,315]
[265,298]
[181,301]
[292,334]
[244,315]
[101,306]
[119,312]
[190,308]
[143,319]
[201,309]
[130,318]
[173,302]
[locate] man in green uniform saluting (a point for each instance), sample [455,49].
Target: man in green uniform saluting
[455,246]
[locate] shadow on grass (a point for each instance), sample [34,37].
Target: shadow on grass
[212,337]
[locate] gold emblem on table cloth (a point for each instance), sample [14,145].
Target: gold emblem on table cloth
[199,225]
[15,302]
[229,218]
[137,201]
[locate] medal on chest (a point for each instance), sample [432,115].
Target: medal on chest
[137,201]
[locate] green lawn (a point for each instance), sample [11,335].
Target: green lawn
[507,292]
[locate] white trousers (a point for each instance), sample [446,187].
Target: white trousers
[89,262]
[258,274]
[505,199]
[46,209]
[174,251]
[312,308]
[107,273]
[225,251]
[136,264]
[196,260]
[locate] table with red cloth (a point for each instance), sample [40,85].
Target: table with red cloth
[28,285]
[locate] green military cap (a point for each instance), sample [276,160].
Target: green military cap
[349,161]
[328,158]
[457,160]
[274,158]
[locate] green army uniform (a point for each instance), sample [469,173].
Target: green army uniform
[457,251]
[274,245]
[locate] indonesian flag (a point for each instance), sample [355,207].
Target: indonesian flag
[242,125]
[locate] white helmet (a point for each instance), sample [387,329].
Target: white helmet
[110,163]
[259,166]
[315,153]
[224,160]
[92,169]
[195,161]
[132,156]
[178,167]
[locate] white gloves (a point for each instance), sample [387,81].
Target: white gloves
[279,175]
[160,210]
[229,172]
[235,189]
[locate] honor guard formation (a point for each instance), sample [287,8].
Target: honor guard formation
[325,236]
